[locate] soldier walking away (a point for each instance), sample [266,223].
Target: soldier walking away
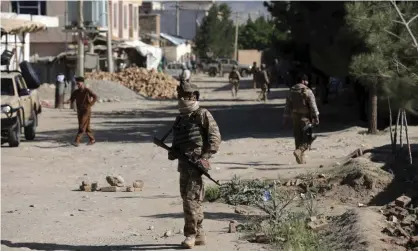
[234,81]
[301,107]
[84,99]
[254,71]
[263,81]
[221,69]
[196,134]
[185,74]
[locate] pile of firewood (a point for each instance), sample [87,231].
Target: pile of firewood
[147,83]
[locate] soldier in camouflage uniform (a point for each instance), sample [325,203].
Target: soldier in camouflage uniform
[263,81]
[254,71]
[301,107]
[196,134]
[234,81]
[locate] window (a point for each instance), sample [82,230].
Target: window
[29,7]
[7,87]
[115,15]
[125,17]
[234,62]
[135,18]
[224,61]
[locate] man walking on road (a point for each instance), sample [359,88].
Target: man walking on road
[234,81]
[254,71]
[263,81]
[196,134]
[84,99]
[185,74]
[301,107]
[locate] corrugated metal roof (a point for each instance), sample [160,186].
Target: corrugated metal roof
[15,26]
[174,40]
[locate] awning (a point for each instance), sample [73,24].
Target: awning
[16,26]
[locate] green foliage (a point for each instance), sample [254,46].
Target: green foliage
[258,34]
[319,31]
[238,192]
[294,231]
[391,59]
[212,193]
[216,33]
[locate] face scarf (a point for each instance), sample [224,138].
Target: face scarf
[188,106]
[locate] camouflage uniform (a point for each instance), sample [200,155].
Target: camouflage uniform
[263,82]
[301,106]
[254,71]
[196,134]
[234,80]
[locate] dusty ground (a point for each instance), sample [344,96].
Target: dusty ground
[40,210]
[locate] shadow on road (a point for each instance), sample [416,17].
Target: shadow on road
[54,246]
[404,182]
[208,215]
[239,120]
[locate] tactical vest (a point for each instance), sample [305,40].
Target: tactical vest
[188,133]
[234,75]
[299,100]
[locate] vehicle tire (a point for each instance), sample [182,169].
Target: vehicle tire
[14,135]
[30,131]
[244,73]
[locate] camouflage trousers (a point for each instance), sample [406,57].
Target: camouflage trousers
[301,142]
[234,88]
[192,192]
[263,93]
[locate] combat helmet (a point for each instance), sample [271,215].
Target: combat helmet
[234,67]
[187,87]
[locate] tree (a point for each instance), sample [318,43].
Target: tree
[217,33]
[318,30]
[258,34]
[388,66]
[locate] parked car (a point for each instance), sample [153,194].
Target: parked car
[20,107]
[213,67]
[173,69]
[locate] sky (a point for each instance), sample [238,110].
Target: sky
[252,8]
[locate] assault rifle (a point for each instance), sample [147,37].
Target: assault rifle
[181,156]
[308,133]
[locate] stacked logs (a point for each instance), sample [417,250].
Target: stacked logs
[151,83]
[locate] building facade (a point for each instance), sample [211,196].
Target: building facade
[191,14]
[123,15]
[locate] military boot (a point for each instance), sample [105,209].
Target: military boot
[298,155]
[302,158]
[200,239]
[189,242]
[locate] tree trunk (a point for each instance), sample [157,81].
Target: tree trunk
[373,109]
[390,126]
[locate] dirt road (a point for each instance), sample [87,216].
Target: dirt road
[42,211]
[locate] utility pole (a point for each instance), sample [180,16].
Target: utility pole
[109,40]
[236,37]
[178,18]
[80,47]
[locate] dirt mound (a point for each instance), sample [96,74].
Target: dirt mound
[356,181]
[148,83]
[357,230]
